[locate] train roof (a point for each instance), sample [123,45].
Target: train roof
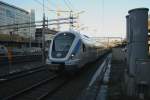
[78,34]
[87,40]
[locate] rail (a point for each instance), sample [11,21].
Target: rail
[99,74]
[96,81]
[19,74]
[7,60]
[35,87]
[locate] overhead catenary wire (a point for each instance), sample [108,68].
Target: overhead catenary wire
[53,10]
[51,3]
[34,22]
[37,1]
[41,4]
[68,6]
[71,4]
[18,27]
[38,25]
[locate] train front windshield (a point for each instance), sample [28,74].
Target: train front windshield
[62,44]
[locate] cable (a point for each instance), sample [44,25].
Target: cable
[51,9]
[34,22]
[56,23]
[67,5]
[70,4]
[26,25]
[64,11]
[39,2]
[51,3]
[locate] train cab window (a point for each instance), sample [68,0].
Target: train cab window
[84,48]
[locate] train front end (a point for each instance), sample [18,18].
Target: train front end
[61,52]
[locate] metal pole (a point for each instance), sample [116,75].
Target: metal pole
[43,41]
[30,31]
[71,20]
[108,43]
[43,36]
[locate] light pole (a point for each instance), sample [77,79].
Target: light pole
[71,20]
[30,30]
[43,36]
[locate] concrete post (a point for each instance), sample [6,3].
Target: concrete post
[138,36]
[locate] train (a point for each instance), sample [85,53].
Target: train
[71,50]
[3,50]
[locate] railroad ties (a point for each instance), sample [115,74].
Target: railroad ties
[98,80]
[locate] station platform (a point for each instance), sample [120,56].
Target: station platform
[116,79]
[108,83]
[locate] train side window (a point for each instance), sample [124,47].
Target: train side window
[83,46]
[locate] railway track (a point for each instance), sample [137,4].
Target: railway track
[41,89]
[20,74]
[14,59]
[19,81]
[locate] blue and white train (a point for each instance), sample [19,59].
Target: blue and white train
[71,50]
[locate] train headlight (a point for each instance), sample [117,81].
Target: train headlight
[72,56]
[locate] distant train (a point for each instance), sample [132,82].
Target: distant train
[3,50]
[71,50]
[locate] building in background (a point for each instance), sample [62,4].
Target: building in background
[10,14]
[49,33]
